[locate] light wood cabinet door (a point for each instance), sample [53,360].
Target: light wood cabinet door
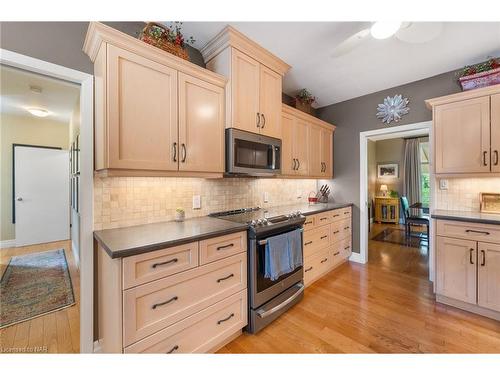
[327,152]
[488,288]
[245,83]
[142,112]
[315,156]
[287,158]
[201,126]
[495,133]
[456,269]
[300,137]
[462,136]
[270,102]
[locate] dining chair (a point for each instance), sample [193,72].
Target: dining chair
[410,220]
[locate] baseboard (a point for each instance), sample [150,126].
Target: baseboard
[7,243]
[97,347]
[356,257]
[468,307]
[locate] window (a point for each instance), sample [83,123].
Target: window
[425,177]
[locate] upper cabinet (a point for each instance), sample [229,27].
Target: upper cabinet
[307,145]
[155,114]
[467,132]
[253,93]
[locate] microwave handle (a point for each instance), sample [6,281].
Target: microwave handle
[273,166]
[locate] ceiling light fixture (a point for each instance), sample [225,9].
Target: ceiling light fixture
[38,112]
[384,29]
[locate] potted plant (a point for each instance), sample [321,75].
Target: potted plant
[180,214]
[303,101]
[480,75]
[168,38]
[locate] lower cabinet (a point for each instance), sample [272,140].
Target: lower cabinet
[147,303]
[327,242]
[468,267]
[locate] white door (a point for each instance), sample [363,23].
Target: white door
[41,195]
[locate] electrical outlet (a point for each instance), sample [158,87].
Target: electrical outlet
[299,194]
[196,202]
[443,184]
[266,197]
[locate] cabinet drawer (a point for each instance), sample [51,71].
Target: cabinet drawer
[341,230]
[139,269]
[342,249]
[309,223]
[199,332]
[341,213]
[156,305]
[469,231]
[221,247]
[317,264]
[323,218]
[316,239]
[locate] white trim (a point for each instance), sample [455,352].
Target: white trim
[97,347]
[356,257]
[86,177]
[7,243]
[411,130]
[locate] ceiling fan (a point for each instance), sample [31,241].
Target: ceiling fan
[409,32]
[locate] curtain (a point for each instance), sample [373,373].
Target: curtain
[412,187]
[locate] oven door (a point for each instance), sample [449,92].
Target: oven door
[253,154]
[262,288]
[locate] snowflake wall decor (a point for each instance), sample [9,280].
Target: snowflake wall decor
[393,109]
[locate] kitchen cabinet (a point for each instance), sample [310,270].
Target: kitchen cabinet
[315,152]
[288,163]
[254,90]
[301,145]
[155,114]
[467,132]
[387,210]
[488,265]
[326,153]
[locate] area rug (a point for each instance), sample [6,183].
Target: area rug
[397,236]
[33,285]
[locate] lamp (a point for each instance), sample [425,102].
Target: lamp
[383,189]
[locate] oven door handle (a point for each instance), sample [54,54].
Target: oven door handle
[264,314]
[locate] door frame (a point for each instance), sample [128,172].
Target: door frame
[410,130]
[86,82]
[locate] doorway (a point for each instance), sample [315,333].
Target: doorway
[383,217]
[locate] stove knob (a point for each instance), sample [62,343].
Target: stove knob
[259,222]
[299,213]
[265,222]
[253,223]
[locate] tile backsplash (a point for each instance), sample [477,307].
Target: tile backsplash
[463,193]
[126,201]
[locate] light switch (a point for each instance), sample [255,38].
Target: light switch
[196,202]
[443,184]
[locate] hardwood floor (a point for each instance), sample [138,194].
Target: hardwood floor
[56,332]
[384,306]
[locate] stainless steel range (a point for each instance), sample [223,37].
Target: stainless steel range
[267,299]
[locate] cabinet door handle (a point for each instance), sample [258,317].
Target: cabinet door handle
[164,303]
[225,246]
[483,263]
[337,231]
[225,319]
[173,349]
[324,260]
[175,151]
[298,162]
[163,263]
[347,248]
[484,158]
[294,164]
[345,228]
[323,218]
[307,270]
[337,253]
[263,121]
[471,250]
[258,119]
[477,231]
[308,243]
[184,153]
[225,278]
[496,157]
[322,237]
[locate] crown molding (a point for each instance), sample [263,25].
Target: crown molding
[229,36]
[307,117]
[471,94]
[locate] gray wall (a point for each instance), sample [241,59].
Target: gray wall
[61,42]
[356,115]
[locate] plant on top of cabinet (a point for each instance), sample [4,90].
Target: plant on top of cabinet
[155,114]
[483,74]
[168,38]
[303,101]
[253,93]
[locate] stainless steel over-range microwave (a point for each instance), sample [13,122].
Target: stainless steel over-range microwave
[252,154]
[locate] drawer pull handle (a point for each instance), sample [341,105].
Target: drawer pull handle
[324,260]
[322,237]
[336,215]
[323,218]
[308,222]
[483,263]
[471,250]
[310,268]
[308,243]
[337,253]
[225,319]
[345,228]
[337,231]
[477,231]
[347,248]
[346,212]
[225,246]
[225,278]
[163,263]
[164,303]
[173,349]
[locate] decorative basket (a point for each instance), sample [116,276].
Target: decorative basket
[483,79]
[304,107]
[156,35]
[490,202]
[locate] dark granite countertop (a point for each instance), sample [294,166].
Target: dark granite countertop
[474,216]
[122,242]
[311,209]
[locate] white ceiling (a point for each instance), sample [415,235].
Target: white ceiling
[373,66]
[58,97]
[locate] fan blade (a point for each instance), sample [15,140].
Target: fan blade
[351,43]
[419,32]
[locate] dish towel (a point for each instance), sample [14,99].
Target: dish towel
[277,255]
[295,248]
